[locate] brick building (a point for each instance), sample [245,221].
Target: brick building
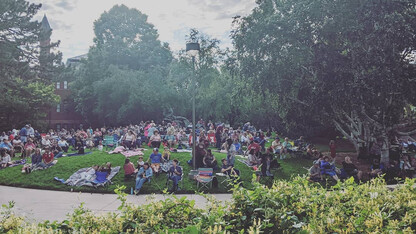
[62,115]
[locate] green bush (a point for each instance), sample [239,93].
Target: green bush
[287,207]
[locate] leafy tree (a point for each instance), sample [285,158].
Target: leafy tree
[333,62]
[24,82]
[123,79]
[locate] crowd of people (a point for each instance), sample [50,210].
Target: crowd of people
[402,163]
[45,149]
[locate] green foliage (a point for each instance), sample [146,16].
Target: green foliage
[321,59]
[25,72]
[294,206]
[123,79]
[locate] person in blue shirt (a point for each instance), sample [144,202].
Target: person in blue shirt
[175,174]
[23,134]
[155,159]
[9,148]
[144,175]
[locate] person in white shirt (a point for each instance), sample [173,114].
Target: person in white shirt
[63,144]
[46,141]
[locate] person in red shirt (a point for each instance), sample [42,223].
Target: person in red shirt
[47,158]
[129,170]
[254,145]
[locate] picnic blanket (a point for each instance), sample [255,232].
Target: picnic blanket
[77,154]
[117,150]
[183,151]
[131,153]
[16,163]
[38,167]
[83,178]
[245,162]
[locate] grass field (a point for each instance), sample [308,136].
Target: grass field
[66,166]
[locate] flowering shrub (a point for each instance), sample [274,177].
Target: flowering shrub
[287,206]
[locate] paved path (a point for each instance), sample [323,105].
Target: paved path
[39,205]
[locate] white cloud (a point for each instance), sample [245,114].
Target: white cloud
[72,20]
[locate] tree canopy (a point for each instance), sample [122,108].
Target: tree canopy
[332,62]
[25,84]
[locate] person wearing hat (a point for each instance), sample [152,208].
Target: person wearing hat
[315,172]
[155,159]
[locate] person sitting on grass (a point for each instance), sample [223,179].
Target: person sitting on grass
[253,145]
[107,168]
[209,160]
[286,148]
[175,174]
[229,169]
[8,147]
[328,169]
[129,140]
[315,172]
[5,159]
[63,144]
[18,145]
[29,148]
[36,161]
[351,169]
[143,175]
[155,139]
[276,145]
[129,170]
[166,163]
[312,153]
[252,159]
[140,163]
[376,169]
[155,159]
[47,158]
[56,150]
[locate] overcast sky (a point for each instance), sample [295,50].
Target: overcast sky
[72,20]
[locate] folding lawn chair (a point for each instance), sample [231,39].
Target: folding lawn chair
[168,181]
[108,141]
[204,177]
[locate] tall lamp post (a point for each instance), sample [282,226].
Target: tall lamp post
[192,49]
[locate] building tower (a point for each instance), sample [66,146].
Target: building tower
[44,41]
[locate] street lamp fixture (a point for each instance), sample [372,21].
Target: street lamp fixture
[192,49]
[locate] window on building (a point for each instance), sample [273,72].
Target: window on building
[65,84]
[58,85]
[58,108]
[65,106]
[58,127]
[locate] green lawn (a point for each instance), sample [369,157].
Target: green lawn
[66,166]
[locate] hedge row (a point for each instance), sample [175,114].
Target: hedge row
[288,206]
